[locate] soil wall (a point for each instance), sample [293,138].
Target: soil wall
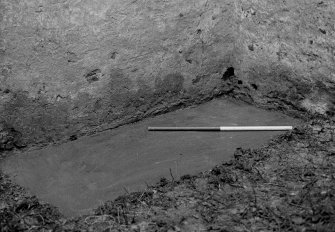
[71,67]
[74,67]
[286,53]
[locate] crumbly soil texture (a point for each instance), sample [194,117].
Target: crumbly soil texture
[287,185]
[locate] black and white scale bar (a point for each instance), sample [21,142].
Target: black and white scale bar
[223,128]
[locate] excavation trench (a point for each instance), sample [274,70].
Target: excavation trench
[79,175]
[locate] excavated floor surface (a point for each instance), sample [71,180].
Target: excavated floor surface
[78,176]
[286,185]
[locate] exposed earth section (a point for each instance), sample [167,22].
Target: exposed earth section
[72,68]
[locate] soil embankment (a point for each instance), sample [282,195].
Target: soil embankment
[70,68]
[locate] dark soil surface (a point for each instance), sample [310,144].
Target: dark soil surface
[77,176]
[288,185]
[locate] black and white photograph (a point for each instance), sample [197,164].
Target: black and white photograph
[167,115]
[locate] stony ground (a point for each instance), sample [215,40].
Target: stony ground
[288,185]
